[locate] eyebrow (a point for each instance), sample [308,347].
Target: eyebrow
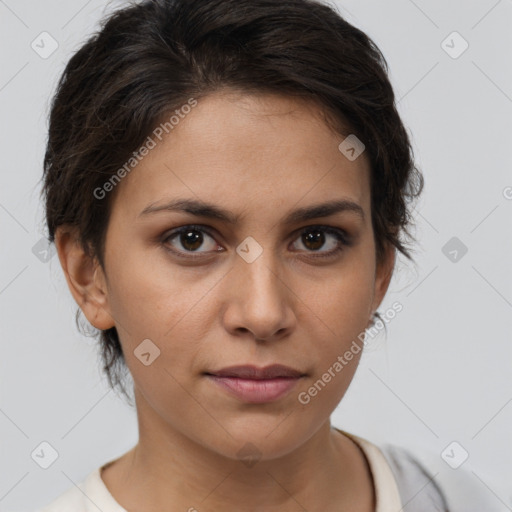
[204,209]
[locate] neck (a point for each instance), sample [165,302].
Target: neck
[327,472]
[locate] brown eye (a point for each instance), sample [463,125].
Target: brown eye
[190,238]
[186,241]
[313,240]
[315,237]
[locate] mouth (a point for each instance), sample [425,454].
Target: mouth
[251,384]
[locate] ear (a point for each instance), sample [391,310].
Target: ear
[383,274]
[85,277]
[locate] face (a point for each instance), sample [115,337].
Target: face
[261,288]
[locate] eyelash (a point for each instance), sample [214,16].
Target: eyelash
[339,234]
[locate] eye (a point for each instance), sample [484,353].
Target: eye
[190,238]
[313,238]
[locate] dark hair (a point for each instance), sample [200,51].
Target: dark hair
[150,58]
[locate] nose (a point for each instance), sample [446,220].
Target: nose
[260,301]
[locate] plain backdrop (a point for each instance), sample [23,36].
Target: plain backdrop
[442,373]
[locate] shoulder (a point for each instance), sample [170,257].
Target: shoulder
[431,485]
[90,495]
[72,499]
[418,489]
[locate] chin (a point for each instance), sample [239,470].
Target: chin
[263,438]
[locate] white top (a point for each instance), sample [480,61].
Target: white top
[387,496]
[92,494]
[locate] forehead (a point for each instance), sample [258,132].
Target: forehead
[263,151]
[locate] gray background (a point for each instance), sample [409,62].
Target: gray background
[442,374]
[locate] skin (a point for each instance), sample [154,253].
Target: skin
[268,156]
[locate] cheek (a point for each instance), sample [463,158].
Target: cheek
[146,296]
[336,336]
[163,303]
[342,300]
[338,312]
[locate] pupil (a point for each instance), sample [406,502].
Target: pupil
[315,238]
[193,238]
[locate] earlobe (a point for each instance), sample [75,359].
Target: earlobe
[85,278]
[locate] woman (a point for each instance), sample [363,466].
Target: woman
[227,183]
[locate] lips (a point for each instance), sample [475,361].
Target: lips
[251,384]
[253,372]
